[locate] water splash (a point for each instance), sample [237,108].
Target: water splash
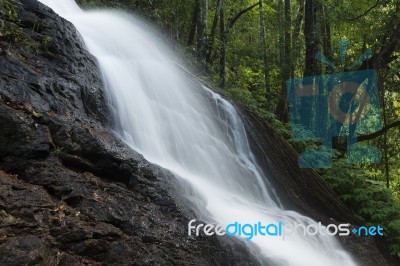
[186,128]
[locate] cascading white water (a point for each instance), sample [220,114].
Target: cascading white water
[186,128]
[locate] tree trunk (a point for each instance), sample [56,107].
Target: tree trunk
[213,31]
[287,71]
[281,34]
[326,34]
[193,26]
[309,105]
[311,38]
[297,28]
[224,31]
[264,56]
[298,24]
[202,29]
[385,146]
[223,36]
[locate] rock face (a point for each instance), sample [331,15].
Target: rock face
[71,193]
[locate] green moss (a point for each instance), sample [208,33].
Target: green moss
[12,31]
[9,28]
[58,151]
[46,42]
[9,193]
[8,10]
[37,114]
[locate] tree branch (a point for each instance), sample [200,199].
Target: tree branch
[385,55]
[366,12]
[378,133]
[238,15]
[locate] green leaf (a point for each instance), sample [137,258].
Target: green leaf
[37,114]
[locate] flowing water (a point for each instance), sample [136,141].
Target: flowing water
[184,127]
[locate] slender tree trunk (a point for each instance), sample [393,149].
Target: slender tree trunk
[177,22]
[311,38]
[281,34]
[309,105]
[326,34]
[223,36]
[195,18]
[364,47]
[224,32]
[264,56]
[298,24]
[287,71]
[213,31]
[288,41]
[202,29]
[385,146]
[288,67]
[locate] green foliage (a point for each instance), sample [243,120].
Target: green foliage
[308,140]
[369,198]
[58,151]
[9,28]
[393,227]
[37,114]
[8,10]
[8,193]
[244,97]
[46,42]
[256,103]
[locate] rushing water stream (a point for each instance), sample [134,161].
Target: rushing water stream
[186,128]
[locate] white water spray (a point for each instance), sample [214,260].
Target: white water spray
[193,132]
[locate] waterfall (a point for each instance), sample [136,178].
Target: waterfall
[182,126]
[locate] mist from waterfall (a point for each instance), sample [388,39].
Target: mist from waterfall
[179,124]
